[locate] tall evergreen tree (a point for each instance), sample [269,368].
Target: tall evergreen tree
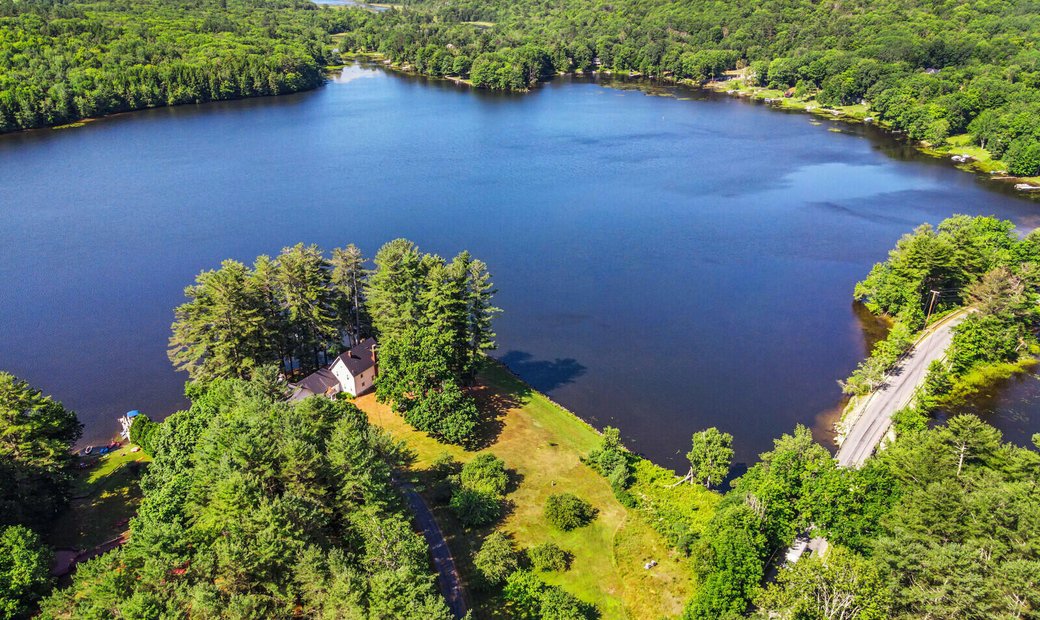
[36,433]
[482,312]
[304,288]
[348,279]
[445,308]
[218,332]
[393,290]
[275,339]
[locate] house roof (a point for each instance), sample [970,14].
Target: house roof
[318,382]
[359,358]
[299,394]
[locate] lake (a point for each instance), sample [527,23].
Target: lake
[665,263]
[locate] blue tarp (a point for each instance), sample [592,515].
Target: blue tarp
[133,413]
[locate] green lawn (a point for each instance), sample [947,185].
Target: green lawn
[106,496]
[541,444]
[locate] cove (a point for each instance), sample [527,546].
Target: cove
[664,265]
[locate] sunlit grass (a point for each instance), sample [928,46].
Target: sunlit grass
[105,497]
[542,444]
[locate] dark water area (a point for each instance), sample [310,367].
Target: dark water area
[1009,404]
[664,264]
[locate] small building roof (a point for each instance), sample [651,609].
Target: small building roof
[359,358]
[318,382]
[299,394]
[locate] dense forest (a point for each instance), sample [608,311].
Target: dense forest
[929,69]
[62,61]
[944,523]
[258,508]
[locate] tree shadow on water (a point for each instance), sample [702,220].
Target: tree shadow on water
[497,397]
[543,375]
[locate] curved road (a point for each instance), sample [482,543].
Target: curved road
[898,390]
[447,575]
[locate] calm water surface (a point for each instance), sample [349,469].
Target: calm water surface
[665,265]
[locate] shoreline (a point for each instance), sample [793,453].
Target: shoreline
[981,168]
[543,446]
[958,151]
[1024,187]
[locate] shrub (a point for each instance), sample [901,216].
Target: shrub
[496,559]
[910,420]
[530,597]
[549,557]
[444,466]
[486,473]
[1024,158]
[142,432]
[474,508]
[611,460]
[567,511]
[447,413]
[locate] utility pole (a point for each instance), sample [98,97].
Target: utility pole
[931,305]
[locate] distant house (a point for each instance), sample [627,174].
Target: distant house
[352,372]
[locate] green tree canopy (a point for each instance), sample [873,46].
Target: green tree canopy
[256,507]
[36,436]
[710,456]
[24,571]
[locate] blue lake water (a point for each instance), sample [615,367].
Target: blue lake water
[665,263]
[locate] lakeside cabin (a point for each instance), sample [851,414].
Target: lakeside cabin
[353,372]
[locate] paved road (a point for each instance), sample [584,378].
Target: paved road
[447,575]
[876,413]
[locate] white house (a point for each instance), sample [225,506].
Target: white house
[352,372]
[356,368]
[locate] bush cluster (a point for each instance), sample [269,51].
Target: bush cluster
[567,511]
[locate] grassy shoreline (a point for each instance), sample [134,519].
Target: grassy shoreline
[542,445]
[981,162]
[105,497]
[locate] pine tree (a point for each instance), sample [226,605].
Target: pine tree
[445,310]
[216,333]
[275,341]
[393,289]
[348,280]
[481,337]
[303,281]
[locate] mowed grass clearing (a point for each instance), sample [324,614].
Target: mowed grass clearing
[541,444]
[105,497]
